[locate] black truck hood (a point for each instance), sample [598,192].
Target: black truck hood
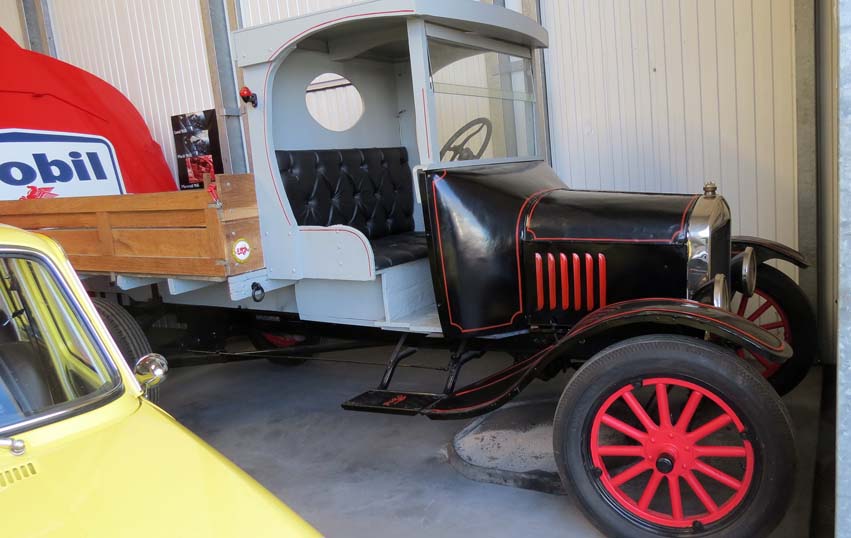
[570,215]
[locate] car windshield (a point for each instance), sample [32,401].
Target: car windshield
[485,102]
[49,361]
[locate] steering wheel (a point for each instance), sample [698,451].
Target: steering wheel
[460,151]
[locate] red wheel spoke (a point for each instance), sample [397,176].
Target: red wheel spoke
[623,427]
[759,311]
[664,406]
[688,411]
[636,451]
[676,497]
[718,475]
[639,411]
[630,473]
[771,369]
[775,325]
[701,493]
[720,451]
[710,427]
[743,306]
[762,360]
[650,490]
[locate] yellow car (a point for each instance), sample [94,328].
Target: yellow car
[82,452]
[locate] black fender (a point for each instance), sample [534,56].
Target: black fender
[721,324]
[496,389]
[766,250]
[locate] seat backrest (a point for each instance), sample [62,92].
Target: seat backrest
[368,189]
[7,329]
[22,375]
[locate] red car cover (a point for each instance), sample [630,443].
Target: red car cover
[42,93]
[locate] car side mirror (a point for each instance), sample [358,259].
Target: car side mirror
[151,370]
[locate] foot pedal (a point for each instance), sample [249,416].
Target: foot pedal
[389,401]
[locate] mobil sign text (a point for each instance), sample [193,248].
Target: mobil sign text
[38,164]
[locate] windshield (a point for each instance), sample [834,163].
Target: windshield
[485,103]
[49,361]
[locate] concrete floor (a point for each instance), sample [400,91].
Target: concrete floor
[359,474]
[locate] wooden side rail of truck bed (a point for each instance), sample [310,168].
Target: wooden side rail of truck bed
[178,234]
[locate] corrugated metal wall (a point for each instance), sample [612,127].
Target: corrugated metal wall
[152,51]
[661,95]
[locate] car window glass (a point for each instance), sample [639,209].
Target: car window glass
[48,359]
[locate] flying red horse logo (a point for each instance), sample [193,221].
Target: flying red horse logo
[35,193]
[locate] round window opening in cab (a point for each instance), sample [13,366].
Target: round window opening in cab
[334,102]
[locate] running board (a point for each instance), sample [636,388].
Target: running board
[389,401]
[475,399]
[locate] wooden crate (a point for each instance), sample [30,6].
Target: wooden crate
[172,234]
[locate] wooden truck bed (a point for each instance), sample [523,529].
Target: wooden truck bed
[177,234]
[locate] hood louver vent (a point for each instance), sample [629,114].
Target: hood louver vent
[16,474]
[578,279]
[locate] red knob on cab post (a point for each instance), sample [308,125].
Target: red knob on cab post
[248,96]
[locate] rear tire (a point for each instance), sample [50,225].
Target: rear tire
[598,462]
[128,335]
[789,316]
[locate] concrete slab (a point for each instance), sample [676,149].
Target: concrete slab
[356,474]
[512,446]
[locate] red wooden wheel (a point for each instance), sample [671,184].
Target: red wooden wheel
[766,312]
[674,451]
[662,436]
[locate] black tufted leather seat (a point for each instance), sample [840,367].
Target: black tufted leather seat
[368,189]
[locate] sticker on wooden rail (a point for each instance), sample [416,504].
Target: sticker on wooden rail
[241,250]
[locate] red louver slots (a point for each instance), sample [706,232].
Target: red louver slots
[551,277]
[568,272]
[539,280]
[577,284]
[589,281]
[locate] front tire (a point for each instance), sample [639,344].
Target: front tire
[669,436]
[128,335]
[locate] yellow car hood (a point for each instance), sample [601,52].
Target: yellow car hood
[139,474]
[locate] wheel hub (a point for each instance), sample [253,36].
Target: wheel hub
[665,464]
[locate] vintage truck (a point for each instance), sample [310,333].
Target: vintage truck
[435,213]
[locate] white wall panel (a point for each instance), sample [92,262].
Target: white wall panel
[662,95]
[11,21]
[152,51]
[256,12]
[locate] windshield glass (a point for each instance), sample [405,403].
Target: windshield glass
[485,103]
[48,358]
